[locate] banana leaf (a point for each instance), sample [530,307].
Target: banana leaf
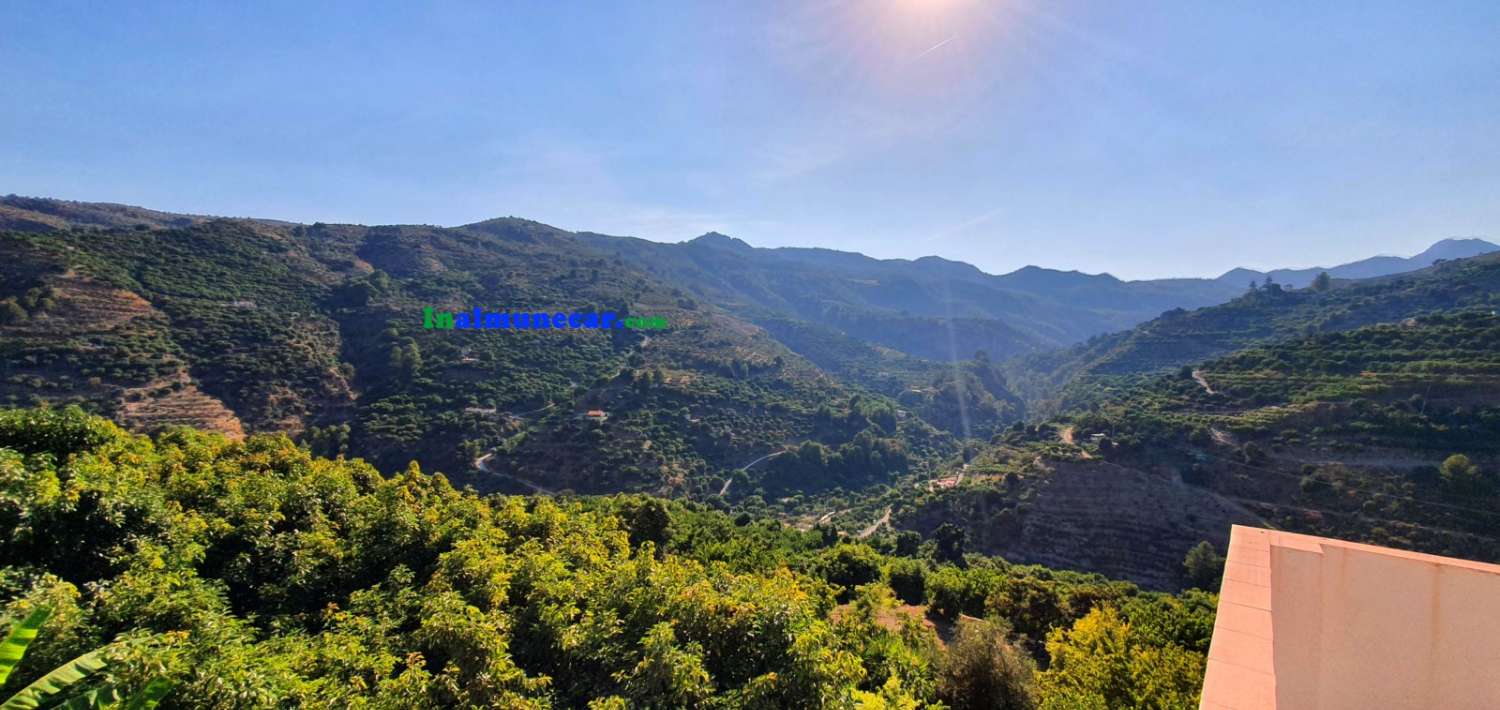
[149,696]
[21,635]
[58,680]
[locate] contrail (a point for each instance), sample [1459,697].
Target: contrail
[933,48]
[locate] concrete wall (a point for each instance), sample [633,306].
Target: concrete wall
[1352,626]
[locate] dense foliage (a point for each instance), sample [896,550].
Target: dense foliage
[252,574]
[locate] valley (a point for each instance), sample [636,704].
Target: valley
[909,447]
[758,399]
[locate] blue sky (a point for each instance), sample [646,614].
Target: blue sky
[1144,139]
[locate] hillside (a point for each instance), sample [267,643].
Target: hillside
[1387,434]
[40,214]
[929,307]
[317,331]
[250,574]
[1063,379]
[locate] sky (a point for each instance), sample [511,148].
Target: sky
[1143,139]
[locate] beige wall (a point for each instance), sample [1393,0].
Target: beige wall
[1353,626]
[1375,630]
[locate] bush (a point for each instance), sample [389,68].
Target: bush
[947,592]
[849,566]
[11,312]
[951,541]
[1204,566]
[983,670]
[1461,475]
[1103,662]
[908,579]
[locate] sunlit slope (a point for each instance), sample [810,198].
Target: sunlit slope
[1388,434]
[317,331]
[1266,315]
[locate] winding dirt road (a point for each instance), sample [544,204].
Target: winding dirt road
[724,491]
[480,462]
[884,520]
[1202,380]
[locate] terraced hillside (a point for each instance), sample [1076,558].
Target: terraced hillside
[965,397]
[1388,434]
[1070,378]
[317,331]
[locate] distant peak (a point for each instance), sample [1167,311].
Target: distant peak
[1038,274]
[1458,248]
[723,241]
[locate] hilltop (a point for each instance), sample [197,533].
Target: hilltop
[1443,250]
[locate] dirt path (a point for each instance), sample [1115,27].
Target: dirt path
[825,518]
[1066,434]
[480,462]
[884,520]
[1201,380]
[518,415]
[724,491]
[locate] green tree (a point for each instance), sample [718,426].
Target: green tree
[1322,282]
[982,670]
[648,521]
[1460,474]
[849,566]
[908,543]
[951,541]
[908,579]
[1204,566]
[1101,662]
[668,675]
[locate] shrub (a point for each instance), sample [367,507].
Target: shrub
[983,670]
[908,579]
[1460,474]
[1203,566]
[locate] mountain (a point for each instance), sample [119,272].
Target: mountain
[317,331]
[1367,268]
[786,385]
[929,307]
[1386,433]
[1177,338]
[41,214]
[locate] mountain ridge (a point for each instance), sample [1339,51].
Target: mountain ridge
[1379,265]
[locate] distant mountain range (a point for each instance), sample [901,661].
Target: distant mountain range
[931,307]
[900,303]
[905,304]
[1367,268]
[1257,318]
